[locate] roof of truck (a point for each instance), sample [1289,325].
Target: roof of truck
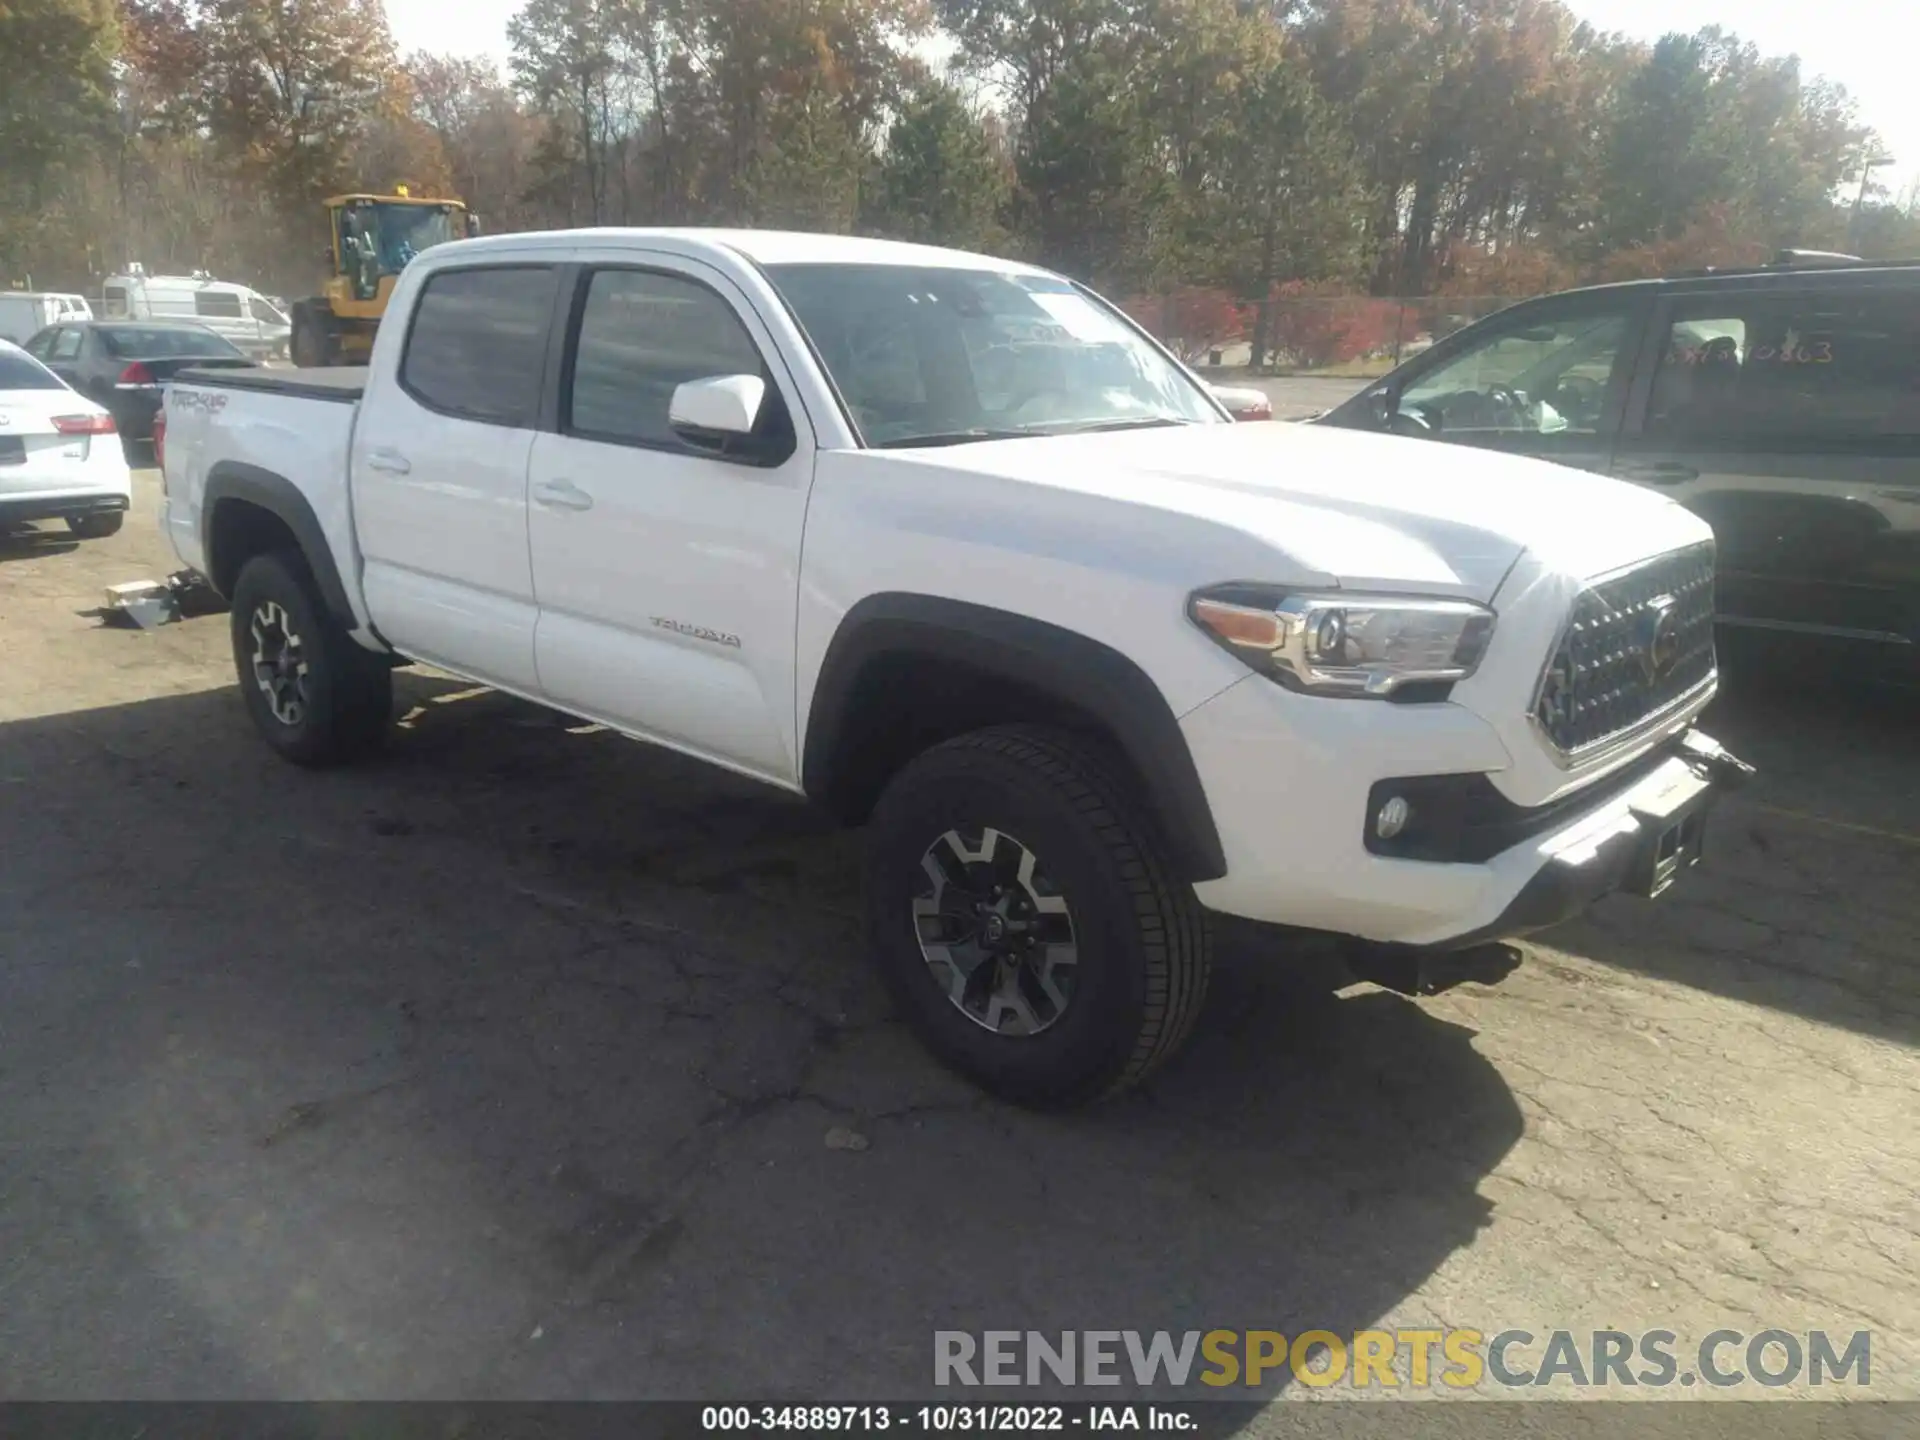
[765,247]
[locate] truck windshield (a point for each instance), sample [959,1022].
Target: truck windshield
[927,355]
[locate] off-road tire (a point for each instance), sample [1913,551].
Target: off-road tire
[97,526]
[1142,938]
[346,697]
[315,340]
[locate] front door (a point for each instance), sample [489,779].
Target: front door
[1790,421]
[1546,379]
[667,573]
[439,469]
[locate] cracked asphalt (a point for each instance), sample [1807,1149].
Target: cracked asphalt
[507,1066]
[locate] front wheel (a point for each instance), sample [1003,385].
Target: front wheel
[1027,921]
[316,696]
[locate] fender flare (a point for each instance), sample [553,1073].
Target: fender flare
[1075,671]
[281,498]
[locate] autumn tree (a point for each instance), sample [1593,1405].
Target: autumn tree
[291,86]
[56,102]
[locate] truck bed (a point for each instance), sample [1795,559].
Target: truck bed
[341,383]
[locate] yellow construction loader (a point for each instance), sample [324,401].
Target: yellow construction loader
[371,238]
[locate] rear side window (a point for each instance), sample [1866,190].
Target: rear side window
[66,344]
[1789,369]
[478,345]
[17,372]
[216,304]
[642,335]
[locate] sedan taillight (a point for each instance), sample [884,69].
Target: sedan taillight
[84,424]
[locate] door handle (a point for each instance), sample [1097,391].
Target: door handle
[562,495]
[1663,472]
[391,461]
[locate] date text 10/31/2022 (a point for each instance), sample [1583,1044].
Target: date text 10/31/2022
[942,1419]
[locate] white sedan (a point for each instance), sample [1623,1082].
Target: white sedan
[60,455]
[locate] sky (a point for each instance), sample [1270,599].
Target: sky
[1856,42]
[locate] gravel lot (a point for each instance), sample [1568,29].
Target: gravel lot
[506,1067]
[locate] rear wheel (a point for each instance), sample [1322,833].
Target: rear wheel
[1027,921]
[316,696]
[98,526]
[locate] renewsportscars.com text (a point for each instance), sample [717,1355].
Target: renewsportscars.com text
[1459,1359]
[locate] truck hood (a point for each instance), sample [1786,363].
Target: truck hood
[1365,510]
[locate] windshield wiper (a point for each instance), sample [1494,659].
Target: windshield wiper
[1094,427]
[952,437]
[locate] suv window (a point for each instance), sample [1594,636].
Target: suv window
[478,344]
[1776,368]
[643,334]
[217,304]
[1529,376]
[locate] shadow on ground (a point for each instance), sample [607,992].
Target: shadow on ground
[506,1067]
[1808,899]
[34,542]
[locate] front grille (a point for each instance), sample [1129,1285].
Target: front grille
[1637,642]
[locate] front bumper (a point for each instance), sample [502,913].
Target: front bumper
[1289,780]
[1643,851]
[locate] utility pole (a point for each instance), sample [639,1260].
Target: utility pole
[1873,161]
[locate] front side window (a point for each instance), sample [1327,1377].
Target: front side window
[477,347]
[642,335]
[261,311]
[1531,377]
[1789,369]
[41,345]
[929,355]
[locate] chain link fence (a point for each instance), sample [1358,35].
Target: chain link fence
[1352,336]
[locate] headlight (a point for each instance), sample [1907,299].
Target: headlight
[1363,645]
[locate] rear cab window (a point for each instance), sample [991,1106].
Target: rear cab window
[477,344]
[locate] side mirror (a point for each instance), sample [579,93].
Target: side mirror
[1381,405]
[473,224]
[1244,402]
[718,410]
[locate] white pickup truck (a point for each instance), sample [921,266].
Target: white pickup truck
[948,545]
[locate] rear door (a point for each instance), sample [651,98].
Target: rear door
[439,470]
[1789,419]
[668,573]
[1547,379]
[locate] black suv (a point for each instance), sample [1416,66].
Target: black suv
[1781,404]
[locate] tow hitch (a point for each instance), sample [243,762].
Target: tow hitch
[1411,970]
